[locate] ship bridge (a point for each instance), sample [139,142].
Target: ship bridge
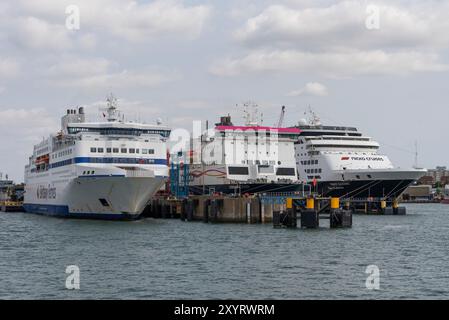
[119,128]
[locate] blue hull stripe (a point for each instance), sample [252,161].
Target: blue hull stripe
[115,176]
[63,212]
[103,176]
[107,160]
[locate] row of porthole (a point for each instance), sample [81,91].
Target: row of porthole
[88,172]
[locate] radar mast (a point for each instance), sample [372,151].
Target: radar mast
[251,114]
[314,120]
[112,109]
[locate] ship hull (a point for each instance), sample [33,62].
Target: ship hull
[390,189]
[102,198]
[250,188]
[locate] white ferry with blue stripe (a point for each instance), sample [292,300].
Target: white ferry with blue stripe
[100,170]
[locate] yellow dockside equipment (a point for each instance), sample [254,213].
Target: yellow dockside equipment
[383,204]
[310,204]
[335,203]
[395,204]
[289,203]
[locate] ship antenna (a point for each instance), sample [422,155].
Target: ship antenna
[416,154]
[112,108]
[314,119]
[251,114]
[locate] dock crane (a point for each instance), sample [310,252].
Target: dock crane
[281,117]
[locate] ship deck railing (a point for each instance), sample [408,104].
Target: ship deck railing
[281,197]
[10,203]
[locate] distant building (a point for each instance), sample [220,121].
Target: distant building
[436,177]
[418,193]
[444,180]
[439,173]
[427,180]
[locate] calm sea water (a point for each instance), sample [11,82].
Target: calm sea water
[170,259]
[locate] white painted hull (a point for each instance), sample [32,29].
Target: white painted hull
[379,174]
[112,197]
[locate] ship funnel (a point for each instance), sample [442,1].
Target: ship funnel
[225,121]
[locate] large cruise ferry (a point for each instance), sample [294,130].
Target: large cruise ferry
[245,159]
[342,162]
[100,170]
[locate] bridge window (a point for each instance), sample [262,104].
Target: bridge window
[285,171]
[93,150]
[124,150]
[119,131]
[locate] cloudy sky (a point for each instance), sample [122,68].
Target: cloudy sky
[196,59]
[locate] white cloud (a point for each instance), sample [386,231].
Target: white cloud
[34,123]
[311,89]
[126,19]
[102,74]
[74,67]
[20,129]
[8,68]
[88,41]
[35,33]
[121,79]
[332,40]
[330,64]
[343,24]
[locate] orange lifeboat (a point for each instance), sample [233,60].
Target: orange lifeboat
[45,159]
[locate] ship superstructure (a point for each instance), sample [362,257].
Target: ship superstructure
[104,170]
[245,159]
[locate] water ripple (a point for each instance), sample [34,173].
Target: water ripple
[170,259]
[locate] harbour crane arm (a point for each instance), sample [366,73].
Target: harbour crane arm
[281,117]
